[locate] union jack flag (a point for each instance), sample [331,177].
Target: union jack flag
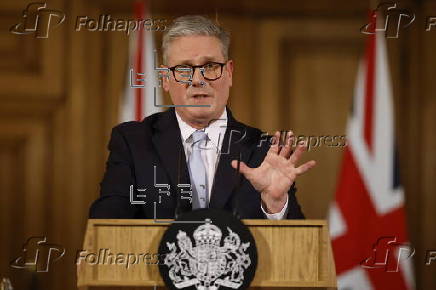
[367,218]
[138,102]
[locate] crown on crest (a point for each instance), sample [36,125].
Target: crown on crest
[207,234]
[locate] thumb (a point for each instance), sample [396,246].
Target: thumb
[243,168]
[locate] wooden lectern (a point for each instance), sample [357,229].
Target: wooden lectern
[292,254]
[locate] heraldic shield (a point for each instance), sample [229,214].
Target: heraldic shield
[209,250]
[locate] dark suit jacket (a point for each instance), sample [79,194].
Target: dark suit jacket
[136,147]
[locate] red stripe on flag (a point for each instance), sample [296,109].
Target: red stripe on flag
[369,88]
[139,58]
[364,227]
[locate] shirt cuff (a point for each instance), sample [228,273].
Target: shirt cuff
[279,215]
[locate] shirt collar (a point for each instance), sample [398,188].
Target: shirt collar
[215,131]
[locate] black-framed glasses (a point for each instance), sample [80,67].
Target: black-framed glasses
[210,71]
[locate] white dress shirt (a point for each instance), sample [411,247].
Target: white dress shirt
[210,152]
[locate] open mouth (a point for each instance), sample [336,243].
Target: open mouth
[200,96]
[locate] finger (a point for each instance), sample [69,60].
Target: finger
[275,141]
[287,148]
[243,168]
[305,167]
[301,147]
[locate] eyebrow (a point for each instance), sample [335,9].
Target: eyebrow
[203,60]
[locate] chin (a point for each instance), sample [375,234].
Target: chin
[203,114]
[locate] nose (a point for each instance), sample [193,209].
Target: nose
[198,79]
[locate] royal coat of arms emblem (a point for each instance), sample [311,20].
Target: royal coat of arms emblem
[210,263]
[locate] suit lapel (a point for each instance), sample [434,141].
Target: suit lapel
[168,144]
[226,177]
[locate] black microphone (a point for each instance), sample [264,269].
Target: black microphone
[178,211]
[235,193]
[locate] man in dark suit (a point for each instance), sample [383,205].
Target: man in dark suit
[153,162]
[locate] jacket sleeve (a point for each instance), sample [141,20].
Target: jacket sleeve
[114,200]
[294,209]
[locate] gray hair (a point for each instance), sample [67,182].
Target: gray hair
[195,25]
